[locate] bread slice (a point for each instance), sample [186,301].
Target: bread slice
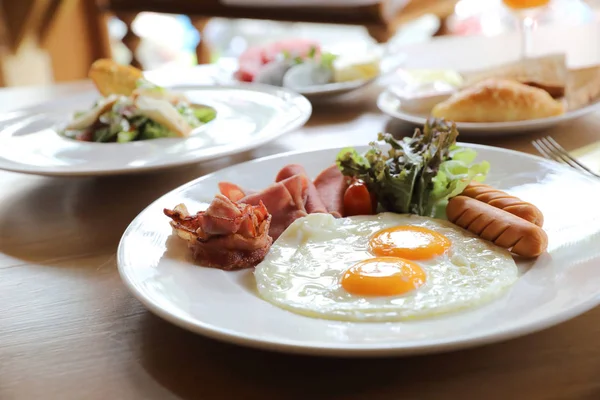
[549,73]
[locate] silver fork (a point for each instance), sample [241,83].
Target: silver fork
[551,150]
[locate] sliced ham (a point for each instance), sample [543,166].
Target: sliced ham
[228,235]
[285,201]
[313,200]
[254,59]
[331,185]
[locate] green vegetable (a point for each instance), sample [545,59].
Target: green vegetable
[204,114]
[103,134]
[417,174]
[154,130]
[327,60]
[124,137]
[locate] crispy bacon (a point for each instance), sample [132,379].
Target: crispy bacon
[285,201]
[232,191]
[228,235]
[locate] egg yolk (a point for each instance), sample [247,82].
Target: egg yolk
[411,242]
[383,276]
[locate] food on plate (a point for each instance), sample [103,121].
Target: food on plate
[332,185]
[549,73]
[499,199]
[416,174]
[498,226]
[293,195]
[227,235]
[301,63]
[497,100]
[133,109]
[353,67]
[113,78]
[255,59]
[384,267]
[358,200]
[583,87]
[360,241]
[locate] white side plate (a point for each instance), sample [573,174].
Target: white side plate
[390,105]
[156,267]
[247,117]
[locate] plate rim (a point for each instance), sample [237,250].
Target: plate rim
[507,128]
[301,101]
[332,350]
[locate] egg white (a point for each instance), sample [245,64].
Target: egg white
[304,267]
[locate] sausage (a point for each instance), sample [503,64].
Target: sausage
[498,226]
[504,201]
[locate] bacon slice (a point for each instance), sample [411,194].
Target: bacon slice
[285,201]
[232,191]
[313,200]
[228,235]
[331,185]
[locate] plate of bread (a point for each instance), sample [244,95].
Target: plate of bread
[523,96]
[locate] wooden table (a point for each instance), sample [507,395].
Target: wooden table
[70,330]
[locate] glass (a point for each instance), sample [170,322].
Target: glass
[526,11]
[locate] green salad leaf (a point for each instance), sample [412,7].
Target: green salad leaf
[416,174]
[154,130]
[204,114]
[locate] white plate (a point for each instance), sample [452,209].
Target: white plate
[390,105]
[156,267]
[390,61]
[247,117]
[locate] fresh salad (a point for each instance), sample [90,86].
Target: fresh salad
[133,109]
[298,63]
[418,174]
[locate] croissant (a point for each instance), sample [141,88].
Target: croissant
[498,100]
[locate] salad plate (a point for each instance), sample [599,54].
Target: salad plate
[238,117]
[225,305]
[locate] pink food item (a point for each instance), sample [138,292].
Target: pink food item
[284,200]
[294,195]
[232,191]
[331,185]
[253,59]
[228,235]
[313,200]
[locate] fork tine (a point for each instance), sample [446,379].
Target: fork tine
[569,156]
[541,148]
[552,150]
[563,156]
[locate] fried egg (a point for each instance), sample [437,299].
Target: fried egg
[386,267]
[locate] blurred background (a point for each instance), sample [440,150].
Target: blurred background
[46,41]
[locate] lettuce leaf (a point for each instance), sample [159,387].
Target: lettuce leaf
[416,174]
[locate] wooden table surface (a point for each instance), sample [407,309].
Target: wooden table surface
[70,330]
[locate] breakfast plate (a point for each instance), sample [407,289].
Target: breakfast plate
[391,105]
[247,116]
[558,285]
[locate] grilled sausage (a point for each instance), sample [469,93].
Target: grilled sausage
[504,201]
[498,226]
